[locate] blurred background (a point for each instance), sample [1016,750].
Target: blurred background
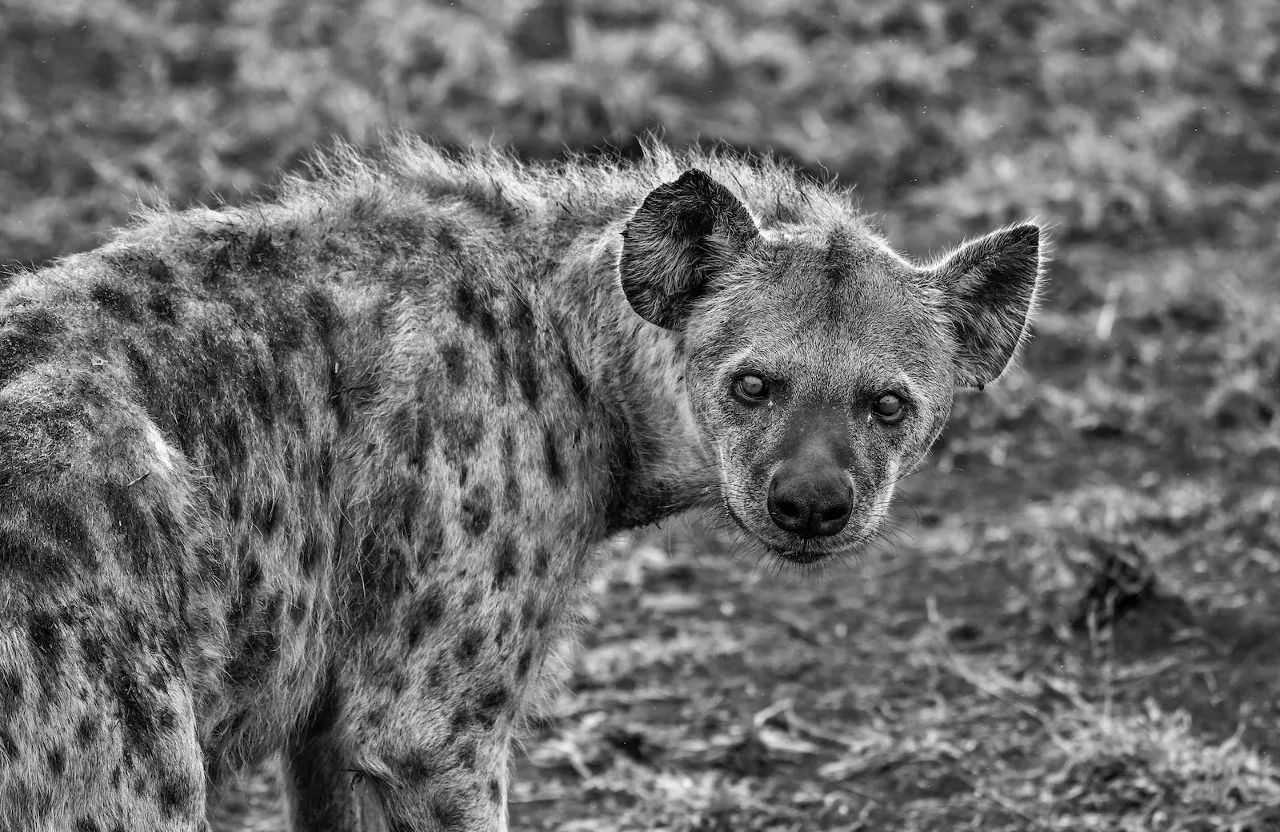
[1076,625]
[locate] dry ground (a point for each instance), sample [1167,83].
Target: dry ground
[1075,627]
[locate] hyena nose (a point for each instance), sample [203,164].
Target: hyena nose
[810,503]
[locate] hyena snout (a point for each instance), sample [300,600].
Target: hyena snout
[810,500]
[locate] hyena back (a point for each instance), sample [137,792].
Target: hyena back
[324,475]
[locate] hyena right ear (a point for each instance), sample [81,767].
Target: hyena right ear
[682,234]
[989,288]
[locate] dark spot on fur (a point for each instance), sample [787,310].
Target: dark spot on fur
[143,374]
[406,514]
[9,750]
[466,752]
[447,812]
[474,311]
[218,265]
[377,718]
[175,794]
[11,689]
[26,338]
[298,609]
[46,641]
[491,704]
[423,435]
[383,575]
[430,542]
[463,437]
[528,374]
[130,520]
[261,253]
[253,661]
[266,516]
[624,510]
[138,712]
[447,241]
[113,300]
[501,371]
[503,629]
[235,505]
[544,618]
[394,232]
[140,265]
[66,526]
[473,597]
[86,731]
[578,382]
[319,306]
[418,766]
[551,455]
[233,452]
[250,574]
[505,563]
[426,612]
[162,306]
[56,758]
[87,825]
[524,662]
[93,652]
[158,270]
[455,363]
[468,647]
[523,328]
[495,791]
[528,612]
[541,560]
[260,393]
[477,511]
[25,559]
[338,396]
[322,468]
[511,471]
[286,331]
[435,675]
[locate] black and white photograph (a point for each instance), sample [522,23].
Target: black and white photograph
[639,416]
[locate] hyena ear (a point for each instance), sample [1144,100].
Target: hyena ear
[682,234]
[989,289]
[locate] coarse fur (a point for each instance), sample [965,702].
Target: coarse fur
[325,475]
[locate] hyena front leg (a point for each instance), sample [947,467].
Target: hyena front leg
[421,770]
[429,732]
[325,792]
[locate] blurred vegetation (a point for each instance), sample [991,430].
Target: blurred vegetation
[1076,630]
[1113,118]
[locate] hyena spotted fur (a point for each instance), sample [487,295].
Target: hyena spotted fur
[325,475]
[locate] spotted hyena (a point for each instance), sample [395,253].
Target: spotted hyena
[323,475]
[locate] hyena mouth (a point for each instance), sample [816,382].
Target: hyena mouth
[805,553]
[803,556]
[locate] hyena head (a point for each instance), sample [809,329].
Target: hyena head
[819,365]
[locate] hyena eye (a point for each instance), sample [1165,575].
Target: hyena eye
[751,388]
[888,407]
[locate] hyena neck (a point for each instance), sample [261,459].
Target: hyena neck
[661,465]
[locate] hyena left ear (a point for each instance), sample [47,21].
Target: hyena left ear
[682,234]
[989,289]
